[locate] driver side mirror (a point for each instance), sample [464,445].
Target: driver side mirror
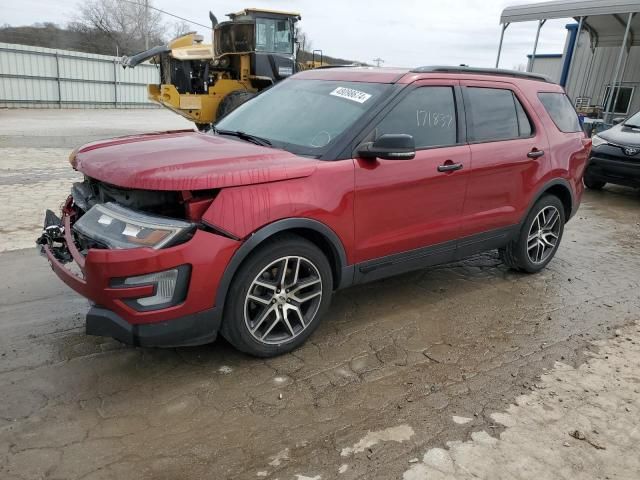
[390,146]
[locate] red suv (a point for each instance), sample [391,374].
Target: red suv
[331,178]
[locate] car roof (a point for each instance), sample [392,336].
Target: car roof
[406,75]
[355,74]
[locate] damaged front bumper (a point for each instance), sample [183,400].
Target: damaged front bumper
[101,274]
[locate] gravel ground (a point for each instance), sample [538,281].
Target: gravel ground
[466,370]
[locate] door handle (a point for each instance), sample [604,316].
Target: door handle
[535,153]
[449,167]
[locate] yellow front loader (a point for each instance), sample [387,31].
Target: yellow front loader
[203,82]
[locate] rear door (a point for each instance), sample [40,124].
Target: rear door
[404,205]
[508,156]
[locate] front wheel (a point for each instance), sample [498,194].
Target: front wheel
[277,297]
[539,237]
[232,101]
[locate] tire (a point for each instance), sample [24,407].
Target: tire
[593,184]
[232,101]
[261,318]
[531,251]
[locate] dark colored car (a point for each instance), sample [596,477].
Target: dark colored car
[331,178]
[615,157]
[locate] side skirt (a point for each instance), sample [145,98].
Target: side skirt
[433,255]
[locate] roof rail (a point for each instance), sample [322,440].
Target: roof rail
[483,71]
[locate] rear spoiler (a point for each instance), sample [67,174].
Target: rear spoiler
[138,58]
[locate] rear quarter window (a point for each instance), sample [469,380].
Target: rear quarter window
[559,108]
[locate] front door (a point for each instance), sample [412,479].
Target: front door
[403,206]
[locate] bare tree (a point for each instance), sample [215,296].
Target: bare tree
[180,28]
[129,24]
[304,45]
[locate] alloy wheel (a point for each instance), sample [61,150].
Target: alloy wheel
[283,300]
[543,235]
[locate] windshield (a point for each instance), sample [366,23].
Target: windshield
[304,116]
[633,121]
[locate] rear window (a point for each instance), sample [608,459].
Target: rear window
[561,111]
[495,114]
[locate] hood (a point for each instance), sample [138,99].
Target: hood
[186,160]
[622,135]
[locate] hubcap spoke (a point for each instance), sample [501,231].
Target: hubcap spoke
[307,298]
[284,272]
[265,285]
[285,318]
[275,322]
[264,316]
[259,300]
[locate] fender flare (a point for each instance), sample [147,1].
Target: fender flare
[541,191]
[256,238]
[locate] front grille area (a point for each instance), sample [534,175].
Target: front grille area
[89,192]
[613,152]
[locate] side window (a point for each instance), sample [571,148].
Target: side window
[559,108]
[495,114]
[427,113]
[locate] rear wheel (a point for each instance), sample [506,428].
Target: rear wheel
[539,237]
[277,297]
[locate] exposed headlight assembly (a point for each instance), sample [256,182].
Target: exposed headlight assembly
[596,141]
[119,228]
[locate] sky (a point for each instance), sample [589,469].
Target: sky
[405,33]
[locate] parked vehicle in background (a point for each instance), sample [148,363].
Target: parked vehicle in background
[331,178]
[615,157]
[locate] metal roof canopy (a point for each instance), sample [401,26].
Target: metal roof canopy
[603,19]
[566,9]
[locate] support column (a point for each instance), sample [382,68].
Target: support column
[607,111]
[504,27]
[535,46]
[574,51]
[58,80]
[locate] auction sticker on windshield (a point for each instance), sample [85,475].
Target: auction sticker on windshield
[351,94]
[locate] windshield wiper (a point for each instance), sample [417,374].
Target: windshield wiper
[631,125]
[243,136]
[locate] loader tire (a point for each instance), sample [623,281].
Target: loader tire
[233,101]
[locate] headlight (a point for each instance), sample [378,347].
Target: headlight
[119,228]
[596,141]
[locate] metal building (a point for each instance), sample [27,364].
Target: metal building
[601,58]
[40,77]
[549,64]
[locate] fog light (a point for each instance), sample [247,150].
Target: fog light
[170,288]
[165,283]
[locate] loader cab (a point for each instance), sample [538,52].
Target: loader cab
[266,37]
